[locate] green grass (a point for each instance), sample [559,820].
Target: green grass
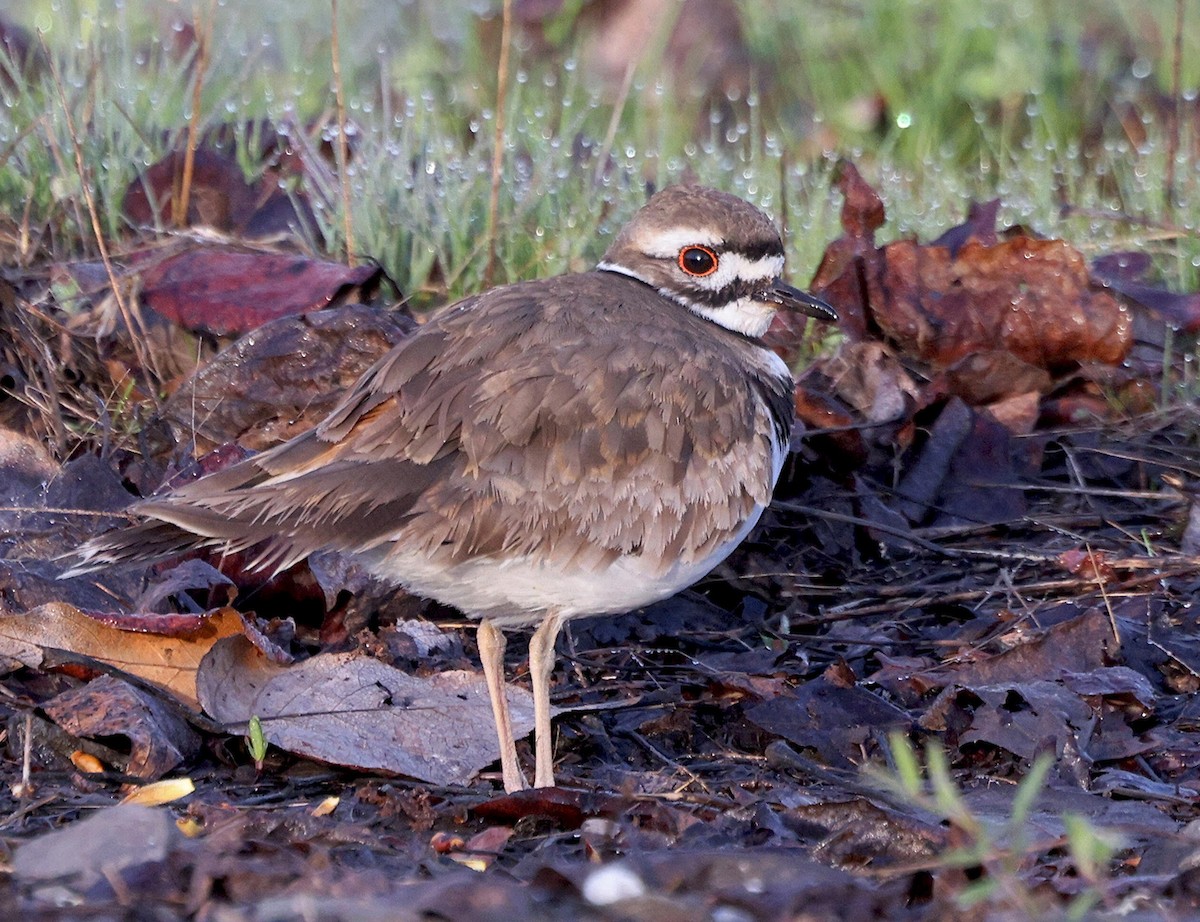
[998,852]
[1014,99]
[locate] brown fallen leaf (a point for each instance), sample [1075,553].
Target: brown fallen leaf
[1087,564]
[168,662]
[219,197]
[351,710]
[159,739]
[972,290]
[1031,297]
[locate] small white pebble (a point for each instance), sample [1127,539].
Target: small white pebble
[730,914]
[611,884]
[599,828]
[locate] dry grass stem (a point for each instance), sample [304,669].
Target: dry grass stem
[183,193]
[343,148]
[489,273]
[132,317]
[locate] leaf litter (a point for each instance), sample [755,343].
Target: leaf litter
[976,545]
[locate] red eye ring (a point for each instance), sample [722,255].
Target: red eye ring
[698,261]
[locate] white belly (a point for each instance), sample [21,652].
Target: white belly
[519,591]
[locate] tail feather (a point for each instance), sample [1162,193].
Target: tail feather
[145,543]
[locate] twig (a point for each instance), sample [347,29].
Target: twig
[845,613]
[343,148]
[489,272]
[183,196]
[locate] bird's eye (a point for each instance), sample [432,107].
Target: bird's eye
[698,261]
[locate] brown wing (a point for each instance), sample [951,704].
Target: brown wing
[510,424]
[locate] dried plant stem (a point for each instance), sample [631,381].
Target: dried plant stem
[1175,119]
[614,120]
[653,48]
[489,272]
[27,757]
[183,194]
[343,149]
[132,318]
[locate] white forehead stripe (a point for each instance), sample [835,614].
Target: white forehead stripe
[666,244]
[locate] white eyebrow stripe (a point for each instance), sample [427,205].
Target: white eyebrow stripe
[733,267]
[666,244]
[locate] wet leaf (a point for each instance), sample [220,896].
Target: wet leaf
[1125,273]
[219,197]
[971,291]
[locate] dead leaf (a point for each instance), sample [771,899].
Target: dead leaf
[1087,564]
[1032,297]
[107,841]
[283,377]
[355,711]
[159,739]
[1124,273]
[971,291]
[219,197]
[834,720]
[168,662]
[229,290]
[160,792]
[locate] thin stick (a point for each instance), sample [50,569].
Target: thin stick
[182,199]
[343,148]
[1175,120]
[489,272]
[138,333]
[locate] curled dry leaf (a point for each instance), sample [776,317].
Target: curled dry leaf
[168,662]
[355,711]
[1032,297]
[159,739]
[970,291]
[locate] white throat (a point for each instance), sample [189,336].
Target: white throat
[745,315]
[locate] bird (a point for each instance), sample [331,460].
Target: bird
[566,447]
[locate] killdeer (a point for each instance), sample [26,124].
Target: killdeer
[554,449]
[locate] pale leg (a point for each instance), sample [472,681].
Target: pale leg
[541,665]
[491,654]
